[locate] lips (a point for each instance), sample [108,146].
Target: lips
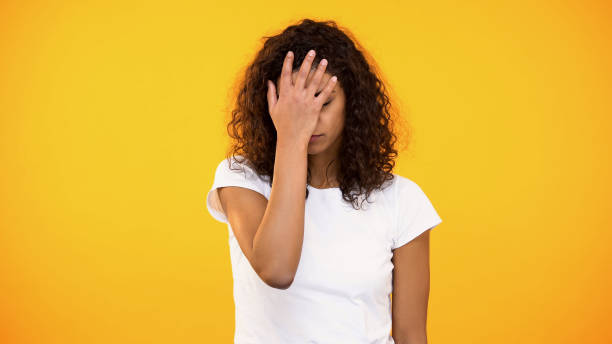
[314,137]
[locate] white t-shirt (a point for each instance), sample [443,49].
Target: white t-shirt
[341,289]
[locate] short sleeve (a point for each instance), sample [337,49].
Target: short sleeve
[414,212]
[240,174]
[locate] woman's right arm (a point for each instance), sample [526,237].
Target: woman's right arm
[278,242]
[271,232]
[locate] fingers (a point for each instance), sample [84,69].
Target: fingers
[285,82]
[271,96]
[329,87]
[304,70]
[314,84]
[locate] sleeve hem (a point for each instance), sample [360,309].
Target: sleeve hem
[408,238]
[213,204]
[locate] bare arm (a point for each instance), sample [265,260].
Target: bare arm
[271,232]
[411,291]
[278,242]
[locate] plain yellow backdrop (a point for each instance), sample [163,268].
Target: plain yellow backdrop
[112,121]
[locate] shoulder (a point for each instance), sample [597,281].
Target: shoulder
[398,192]
[239,171]
[414,212]
[408,195]
[404,187]
[238,165]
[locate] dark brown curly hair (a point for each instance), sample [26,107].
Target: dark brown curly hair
[368,139]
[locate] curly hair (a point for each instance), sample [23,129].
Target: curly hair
[368,140]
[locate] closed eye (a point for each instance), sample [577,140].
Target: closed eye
[327,103]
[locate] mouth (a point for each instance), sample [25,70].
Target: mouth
[314,137]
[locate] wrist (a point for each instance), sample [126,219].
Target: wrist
[292,143]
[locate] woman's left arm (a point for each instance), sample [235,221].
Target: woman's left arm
[410,291]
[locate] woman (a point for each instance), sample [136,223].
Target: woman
[313,263]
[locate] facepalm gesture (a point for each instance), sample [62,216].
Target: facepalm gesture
[296,111]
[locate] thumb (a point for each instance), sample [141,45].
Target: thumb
[271,95]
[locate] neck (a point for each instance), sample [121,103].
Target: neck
[324,167]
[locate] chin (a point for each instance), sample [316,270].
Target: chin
[314,149]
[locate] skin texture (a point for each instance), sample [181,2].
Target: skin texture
[410,291]
[270,233]
[324,149]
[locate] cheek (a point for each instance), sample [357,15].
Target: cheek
[332,119]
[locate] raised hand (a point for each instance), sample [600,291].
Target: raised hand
[296,111]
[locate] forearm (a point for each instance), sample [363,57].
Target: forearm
[277,246]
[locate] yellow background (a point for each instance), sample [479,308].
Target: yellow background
[112,120]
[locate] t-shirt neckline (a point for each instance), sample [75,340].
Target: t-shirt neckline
[322,189]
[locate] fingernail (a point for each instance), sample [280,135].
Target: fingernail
[311,53]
